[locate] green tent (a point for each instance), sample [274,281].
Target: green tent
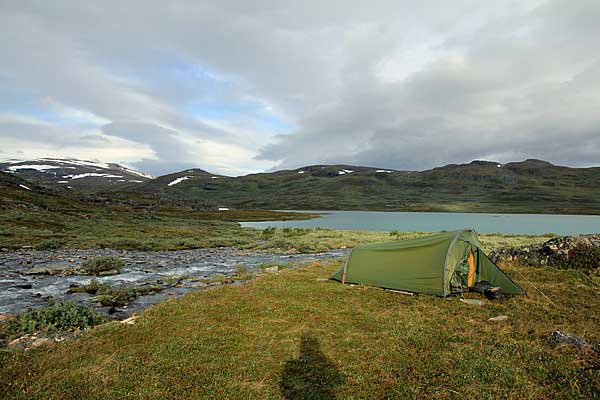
[440,264]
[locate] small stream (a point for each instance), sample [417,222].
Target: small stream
[20,291]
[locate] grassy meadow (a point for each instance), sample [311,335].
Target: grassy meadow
[296,335]
[125,228]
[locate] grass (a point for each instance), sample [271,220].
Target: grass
[55,222]
[279,334]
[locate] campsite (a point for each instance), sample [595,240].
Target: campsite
[299,200]
[297,332]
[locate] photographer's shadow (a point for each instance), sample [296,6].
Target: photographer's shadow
[311,375]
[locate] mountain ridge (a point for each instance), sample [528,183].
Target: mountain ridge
[529,186]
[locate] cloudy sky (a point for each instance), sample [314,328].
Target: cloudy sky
[243,86]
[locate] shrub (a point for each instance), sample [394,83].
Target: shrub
[102,264]
[57,317]
[584,257]
[269,232]
[49,244]
[112,296]
[290,232]
[278,243]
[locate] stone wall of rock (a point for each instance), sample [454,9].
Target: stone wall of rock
[557,251]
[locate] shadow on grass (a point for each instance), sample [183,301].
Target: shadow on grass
[311,375]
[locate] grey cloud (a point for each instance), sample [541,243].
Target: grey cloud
[476,79]
[500,94]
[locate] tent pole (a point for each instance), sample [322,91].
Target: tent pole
[345,269]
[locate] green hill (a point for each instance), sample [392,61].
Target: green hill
[531,186]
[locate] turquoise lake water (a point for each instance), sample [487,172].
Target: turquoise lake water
[426,222]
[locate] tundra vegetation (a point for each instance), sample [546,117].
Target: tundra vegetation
[282,333]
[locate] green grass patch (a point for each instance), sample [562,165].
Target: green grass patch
[293,335]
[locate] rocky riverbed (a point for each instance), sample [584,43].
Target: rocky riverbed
[30,278]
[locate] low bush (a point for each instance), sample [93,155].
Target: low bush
[112,296]
[98,265]
[49,244]
[291,232]
[584,257]
[55,317]
[269,232]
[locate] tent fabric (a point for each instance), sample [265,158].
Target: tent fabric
[439,264]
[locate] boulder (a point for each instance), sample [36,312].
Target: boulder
[19,343]
[557,251]
[41,342]
[109,272]
[130,321]
[567,338]
[24,285]
[7,317]
[498,318]
[52,269]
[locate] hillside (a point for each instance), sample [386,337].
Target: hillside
[73,174]
[531,186]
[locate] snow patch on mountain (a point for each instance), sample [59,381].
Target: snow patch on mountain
[179,180]
[35,166]
[90,174]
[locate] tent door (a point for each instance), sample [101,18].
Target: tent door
[465,273]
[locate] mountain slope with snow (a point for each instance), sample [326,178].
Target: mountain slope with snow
[74,174]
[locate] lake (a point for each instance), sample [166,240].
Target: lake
[532,224]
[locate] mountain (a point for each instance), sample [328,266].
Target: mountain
[190,177]
[530,186]
[73,174]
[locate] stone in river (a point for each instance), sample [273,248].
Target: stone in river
[25,285]
[51,269]
[109,272]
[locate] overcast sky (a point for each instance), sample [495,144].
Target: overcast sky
[235,87]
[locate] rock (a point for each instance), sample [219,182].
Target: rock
[499,318]
[4,250]
[567,338]
[554,252]
[7,317]
[272,269]
[473,302]
[51,269]
[131,320]
[25,285]
[19,343]
[41,342]
[109,272]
